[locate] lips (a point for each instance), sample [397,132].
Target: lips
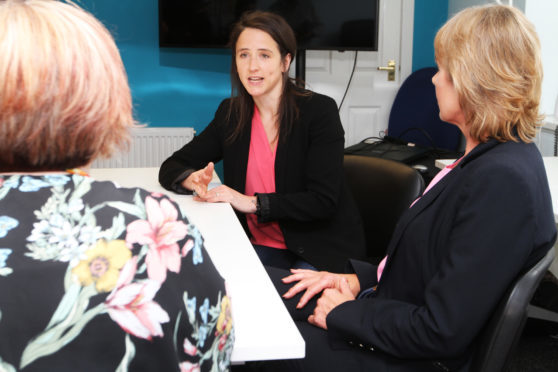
[255,79]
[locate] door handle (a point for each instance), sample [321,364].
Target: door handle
[390,68]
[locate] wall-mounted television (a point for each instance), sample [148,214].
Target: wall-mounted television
[318,24]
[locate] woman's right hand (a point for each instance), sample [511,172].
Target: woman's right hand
[314,282]
[199,180]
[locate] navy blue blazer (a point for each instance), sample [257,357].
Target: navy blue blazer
[312,202]
[452,256]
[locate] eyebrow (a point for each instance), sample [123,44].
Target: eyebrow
[259,50]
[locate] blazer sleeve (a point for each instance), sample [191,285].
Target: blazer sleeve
[365,272]
[323,168]
[196,154]
[491,238]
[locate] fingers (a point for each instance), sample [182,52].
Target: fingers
[201,190]
[209,168]
[212,196]
[298,274]
[304,279]
[344,286]
[300,286]
[307,296]
[310,281]
[208,172]
[318,319]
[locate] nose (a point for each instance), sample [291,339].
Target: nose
[253,64]
[434,77]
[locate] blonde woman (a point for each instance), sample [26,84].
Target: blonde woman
[93,277]
[481,221]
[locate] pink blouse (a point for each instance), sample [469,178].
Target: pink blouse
[260,178]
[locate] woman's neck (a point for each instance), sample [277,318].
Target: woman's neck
[268,106]
[33,173]
[470,142]
[470,145]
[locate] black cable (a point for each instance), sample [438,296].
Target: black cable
[350,79]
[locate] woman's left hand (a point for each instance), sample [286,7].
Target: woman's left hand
[330,299]
[240,202]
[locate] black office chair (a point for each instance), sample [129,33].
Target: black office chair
[382,190]
[415,115]
[503,330]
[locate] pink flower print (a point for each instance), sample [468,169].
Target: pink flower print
[131,305]
[187,247]
[189,367]
[222,342]
[161,232]
[189,348]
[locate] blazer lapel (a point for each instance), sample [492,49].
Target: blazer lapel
[240,150]
[424,202]
[427,199]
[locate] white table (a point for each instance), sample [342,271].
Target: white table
[264,329]
[551,166]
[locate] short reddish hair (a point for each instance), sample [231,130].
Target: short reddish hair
[64,95]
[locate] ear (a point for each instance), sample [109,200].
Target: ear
[287,62]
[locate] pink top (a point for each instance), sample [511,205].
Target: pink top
[441,174]
[260,177]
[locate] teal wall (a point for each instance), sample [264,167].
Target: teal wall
[430,15]
[170,87]
[183,87]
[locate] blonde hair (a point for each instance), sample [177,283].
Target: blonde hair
[64,95]
[492,54]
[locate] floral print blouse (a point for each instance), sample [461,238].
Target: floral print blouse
[94,277]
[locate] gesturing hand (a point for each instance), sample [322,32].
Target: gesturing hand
[240,202]
[330,299]
[199,180]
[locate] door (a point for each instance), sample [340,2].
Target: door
[365,110]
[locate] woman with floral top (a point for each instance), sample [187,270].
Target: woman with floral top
[92,276]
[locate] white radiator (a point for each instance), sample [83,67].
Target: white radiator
[149,147]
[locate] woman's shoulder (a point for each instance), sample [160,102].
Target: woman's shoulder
[508,164]
[225,103]
[224,107]
[136,196]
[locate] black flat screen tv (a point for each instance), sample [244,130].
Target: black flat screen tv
[318,24]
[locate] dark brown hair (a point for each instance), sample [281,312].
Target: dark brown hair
[242,103]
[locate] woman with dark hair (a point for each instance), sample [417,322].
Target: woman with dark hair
[282,152]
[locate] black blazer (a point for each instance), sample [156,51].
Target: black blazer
[312,204]
[452,256]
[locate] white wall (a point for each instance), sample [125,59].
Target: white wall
[543,14]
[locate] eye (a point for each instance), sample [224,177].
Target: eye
[266,56]
[242,55]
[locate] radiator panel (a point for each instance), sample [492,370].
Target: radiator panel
[149,147]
